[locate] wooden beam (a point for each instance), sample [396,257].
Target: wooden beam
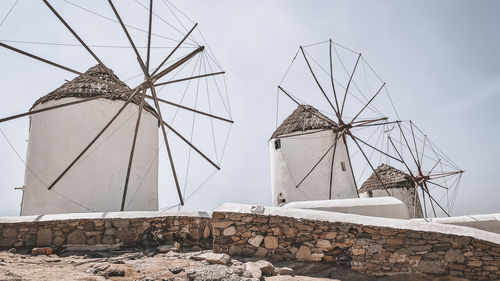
[132,150]
[192,110]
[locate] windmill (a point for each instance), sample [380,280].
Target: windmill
[188,57]
[340,91]
[436,178]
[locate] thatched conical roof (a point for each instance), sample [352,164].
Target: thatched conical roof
[390,176]
[83,87]
[302,119]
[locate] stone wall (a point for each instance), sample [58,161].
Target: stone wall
[367,244]
[126,229]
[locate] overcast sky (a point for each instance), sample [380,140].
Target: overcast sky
[441,62]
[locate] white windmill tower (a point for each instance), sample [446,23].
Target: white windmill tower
[57,136]
[296,172]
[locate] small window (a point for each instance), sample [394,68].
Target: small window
[342,165]
[277,144]
[281,198]
[370,193]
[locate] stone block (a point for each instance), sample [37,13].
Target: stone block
[9,232]
[77,237]
[271,242]
[44,237]
[454,256]
[304,254]
[229,231]
[255,241]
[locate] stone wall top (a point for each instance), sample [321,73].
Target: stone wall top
[361,220]
[102,215]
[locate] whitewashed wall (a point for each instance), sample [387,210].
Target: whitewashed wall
[297,156]
[97,180]
[400,193]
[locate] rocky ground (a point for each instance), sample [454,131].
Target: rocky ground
[168,264]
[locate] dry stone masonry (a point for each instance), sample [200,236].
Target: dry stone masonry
[144,229]
[372,246]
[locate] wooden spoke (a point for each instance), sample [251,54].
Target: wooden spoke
[415,143]
[287,94]
[94,140]
[442,175]
[423,149]
[191,145]
[348,84]
[317,82]
[178,63]
[433,167]
[141,62]
[395,149]
[56,65]
[331,78]
[175,49]
[189,78]
[52,107]
[301,105]
[319,161]
[162,125]
[409,192]
[370,164]
[363,122]
[378,150]
[149,34]
[430,198]
[366,105]
[442,186]
[408,145]
[192,110]
[131,157]
[331,167]
[439,205]
[376,124]
[83,43]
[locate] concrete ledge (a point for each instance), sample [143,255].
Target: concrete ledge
[416,225]
[102,215]
[486,222]
[384,207]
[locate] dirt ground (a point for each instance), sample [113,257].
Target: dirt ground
[151,265]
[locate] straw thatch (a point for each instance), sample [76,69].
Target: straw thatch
[83,87]
[302,119]
[390,176]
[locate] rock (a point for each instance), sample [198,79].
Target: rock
[325,245]
[120,223]
[255,241]
[328,235]
[357,252]
[290,232]
[435,267]
[168,248]
[12,250]
[286,271]
[261,252]
[176,269]
[253,270]
[77,237]
[229,231]
[304,254]
[213,258]
[271,242]
[114,271]
[9,232]
[41,251]
[58,241]
[266,267]
[222,224]
[454,256]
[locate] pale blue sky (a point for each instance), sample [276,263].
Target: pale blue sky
[441,62]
